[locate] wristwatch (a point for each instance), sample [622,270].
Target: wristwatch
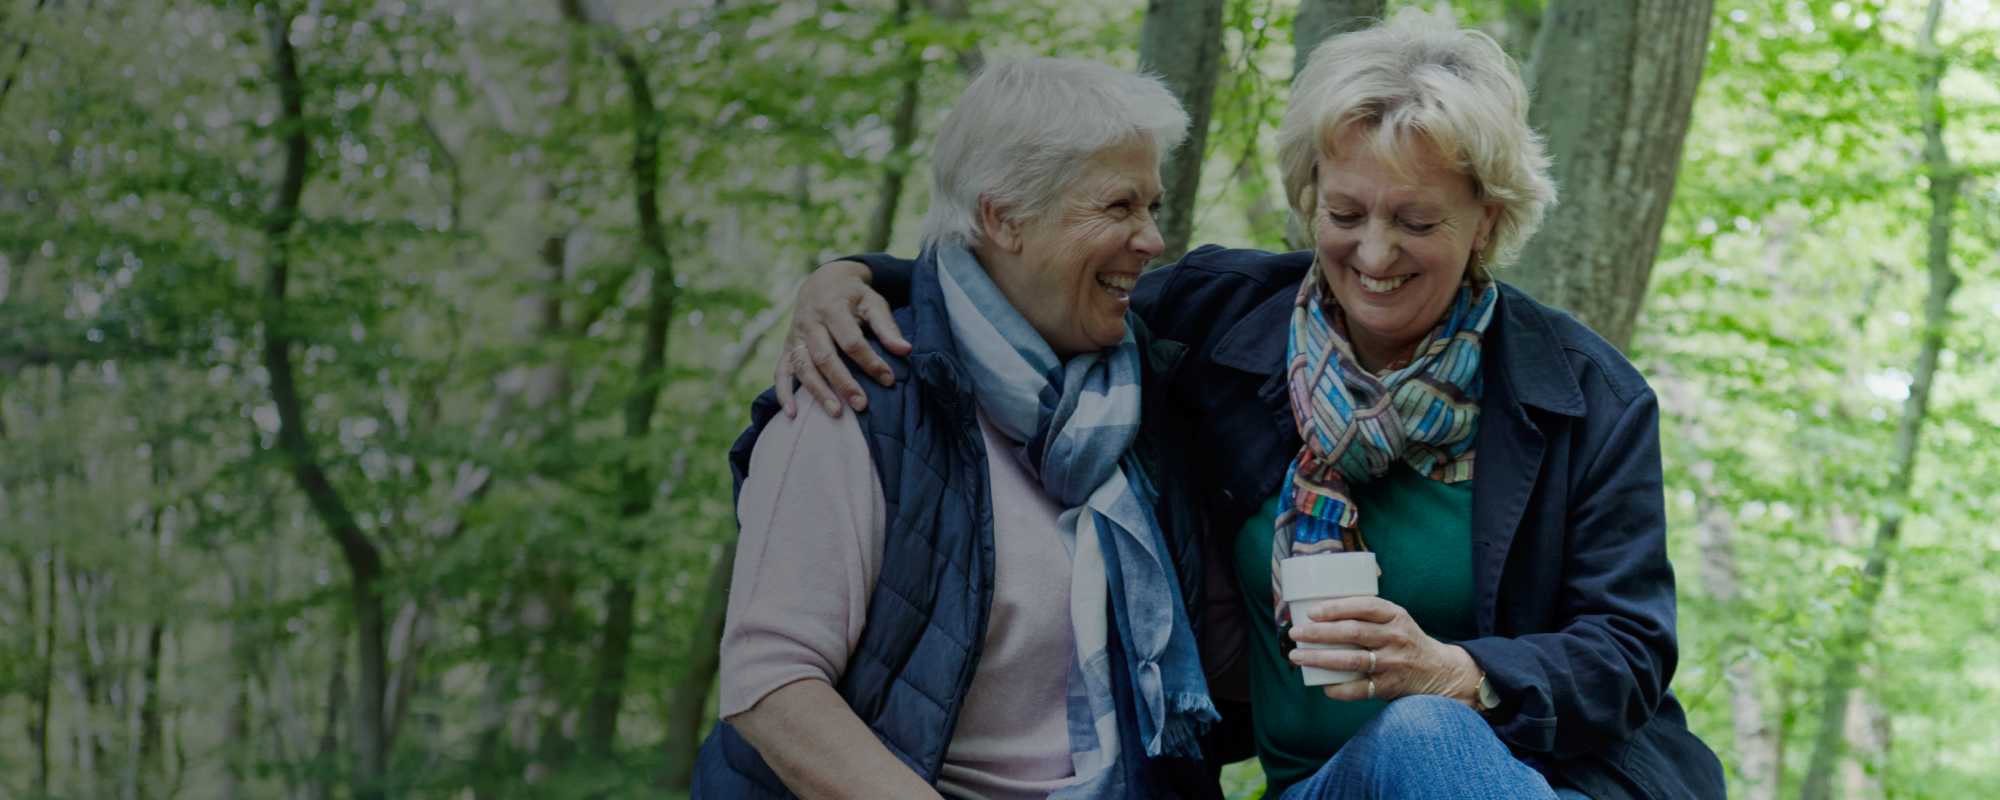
[1486,697]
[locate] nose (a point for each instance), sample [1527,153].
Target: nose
[1376,250]
[1147,242]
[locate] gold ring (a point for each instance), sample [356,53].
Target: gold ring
[1371,688]
[1371,662]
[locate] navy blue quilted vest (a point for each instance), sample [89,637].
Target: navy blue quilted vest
[908,675]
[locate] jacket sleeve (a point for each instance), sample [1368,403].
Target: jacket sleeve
[891,279]
[891,276]
[1600,677]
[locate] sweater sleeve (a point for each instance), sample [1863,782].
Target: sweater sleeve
[807,557]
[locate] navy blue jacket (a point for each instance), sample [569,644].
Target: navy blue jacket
[910,671]
[1575,596]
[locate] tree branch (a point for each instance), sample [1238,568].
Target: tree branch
[20,58]
[364,560]
[635,485]
[1858,620]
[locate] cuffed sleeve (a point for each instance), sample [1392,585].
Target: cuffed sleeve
[812,516]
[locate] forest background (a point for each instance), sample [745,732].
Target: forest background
[366,367]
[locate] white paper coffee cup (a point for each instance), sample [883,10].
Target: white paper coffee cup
[1310,580]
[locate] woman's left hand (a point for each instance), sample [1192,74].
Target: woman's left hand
[1406,660]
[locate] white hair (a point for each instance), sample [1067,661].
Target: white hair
[1419,81]
[1025,128]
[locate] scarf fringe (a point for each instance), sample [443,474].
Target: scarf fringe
[1189,715]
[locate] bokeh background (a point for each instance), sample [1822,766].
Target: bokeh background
[367,367]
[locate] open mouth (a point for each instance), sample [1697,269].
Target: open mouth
[1381,285]
[1118,286]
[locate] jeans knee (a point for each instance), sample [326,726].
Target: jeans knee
[1430,746]
[1425,718]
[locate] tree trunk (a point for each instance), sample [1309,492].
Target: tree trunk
[1320,19]
[903,126]
[236,731]
[903,134]
[687,709]
[20,59]
[1756,747]
[1858,618]
[84,679]
[1181,41]
[364,560]
[1317,20]
[689,706]
[1524,20]
[329,732]
[1614,86]
[1867,731]
[148,758]
[972,58]
[144,755]
[38,728]
[600,721]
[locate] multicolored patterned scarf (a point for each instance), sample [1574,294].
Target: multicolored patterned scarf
[1078,419]
[1357,425]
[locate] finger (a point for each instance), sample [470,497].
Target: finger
[1357,690]
[815,383]
[1336,660]
[847,334]
[826,361]
[1364,608]
[1347,632]
[882,321]
[783,383]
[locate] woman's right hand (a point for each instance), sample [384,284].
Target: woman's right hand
[826,321]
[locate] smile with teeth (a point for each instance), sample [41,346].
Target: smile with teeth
[1118,286]
[1382,285]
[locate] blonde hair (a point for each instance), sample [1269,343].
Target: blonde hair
[1024,129]
[1419,80]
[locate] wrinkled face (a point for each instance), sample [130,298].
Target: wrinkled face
[1079,259]
[1394,245]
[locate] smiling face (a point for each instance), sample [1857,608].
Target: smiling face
[1394,244]
[1070,270]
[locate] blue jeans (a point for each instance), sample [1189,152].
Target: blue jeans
[1425,746]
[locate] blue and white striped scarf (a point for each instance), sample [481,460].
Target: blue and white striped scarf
[1078,420]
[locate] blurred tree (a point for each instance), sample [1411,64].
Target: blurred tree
[1181,41]
[364,559]
[468,287]
[1614,87]
[1858,617]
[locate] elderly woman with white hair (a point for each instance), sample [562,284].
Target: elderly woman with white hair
[1384,392]
[968,591]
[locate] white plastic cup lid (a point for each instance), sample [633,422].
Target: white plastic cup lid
[1328,575]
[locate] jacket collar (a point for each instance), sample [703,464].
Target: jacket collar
[1521,349]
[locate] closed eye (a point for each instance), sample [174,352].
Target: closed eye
[1343,219]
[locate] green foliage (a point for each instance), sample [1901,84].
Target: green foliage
[468,300]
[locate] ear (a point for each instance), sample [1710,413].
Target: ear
[1489,216]
[998,228]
